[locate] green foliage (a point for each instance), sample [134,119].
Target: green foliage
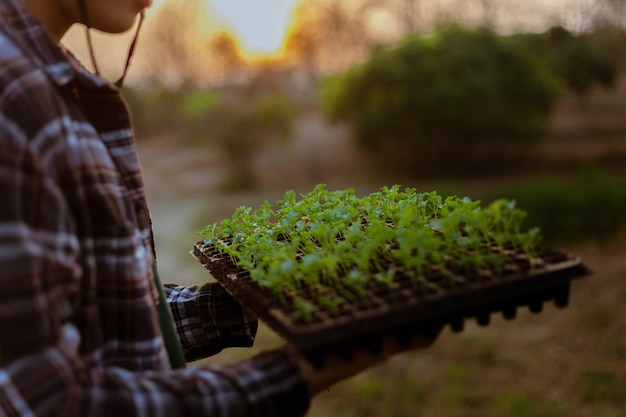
[461,392]
[155,109]
[477,350]
[603,386]
[275,115]
[592,206]
[339,238]
[516,404]
[197,104]
[583,62]
[236,122]
[376,399]
[611,41]
[238,128]
[581,65]
[444,94]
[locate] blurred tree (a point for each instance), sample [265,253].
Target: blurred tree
[238,127]
[591,205]
[580,63]
[331,35]
[173,55]
[587,15]
[584,61]
[226,51]
[409,12]
[302,47]
[239,131]
[610,39]
[435,100]
[158,110]
[490,9]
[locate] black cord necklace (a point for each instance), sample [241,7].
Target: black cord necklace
[82,8]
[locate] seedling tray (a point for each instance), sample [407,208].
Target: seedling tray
[401,306]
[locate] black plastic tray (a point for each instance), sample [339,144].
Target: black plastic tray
[401,308]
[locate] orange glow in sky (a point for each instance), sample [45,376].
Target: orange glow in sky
[259,25]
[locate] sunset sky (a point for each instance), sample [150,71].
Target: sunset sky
[258,24]
[259,27]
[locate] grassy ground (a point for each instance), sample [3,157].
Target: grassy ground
[560,363]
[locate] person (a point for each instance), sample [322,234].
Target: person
[80,330]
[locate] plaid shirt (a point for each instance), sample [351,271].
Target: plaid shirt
[79,334]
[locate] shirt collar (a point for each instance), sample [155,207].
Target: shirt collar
[60,65]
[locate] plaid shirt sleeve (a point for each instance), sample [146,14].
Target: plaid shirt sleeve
[208,320]
[42,370]
[79,332]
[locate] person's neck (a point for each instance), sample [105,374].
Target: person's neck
[51,16]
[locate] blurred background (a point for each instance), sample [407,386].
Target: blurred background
[236,102]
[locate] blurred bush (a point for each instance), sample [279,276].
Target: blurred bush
[444,96]
[590,207]
[238,127]
[584,61]
[197,103]
[156,110]
[235,120]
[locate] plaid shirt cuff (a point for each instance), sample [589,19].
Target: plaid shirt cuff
[208,319]
[274,382]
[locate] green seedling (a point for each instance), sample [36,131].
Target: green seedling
[347,243]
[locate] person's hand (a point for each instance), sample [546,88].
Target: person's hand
[337,368]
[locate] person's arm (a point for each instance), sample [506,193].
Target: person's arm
[55,381]
[208,319]
[43,369]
